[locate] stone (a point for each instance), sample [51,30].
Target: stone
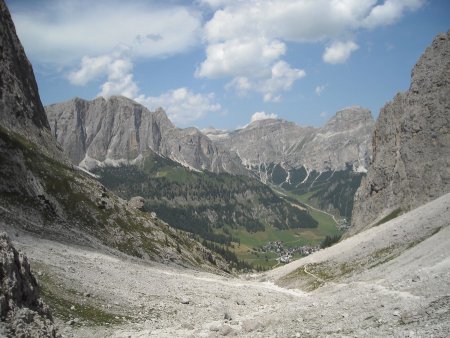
[21,310]
[226,330]
[250,325]
[184,300]
[136,202]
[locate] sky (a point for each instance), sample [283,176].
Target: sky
[224,63]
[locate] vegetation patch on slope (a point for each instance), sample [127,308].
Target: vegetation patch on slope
[330,190]
[202,202]
[68,204]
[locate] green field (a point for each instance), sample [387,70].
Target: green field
[290,237]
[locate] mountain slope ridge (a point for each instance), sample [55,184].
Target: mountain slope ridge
[410,298]
[43,194]
[411,143]
[343,140]
[118,129]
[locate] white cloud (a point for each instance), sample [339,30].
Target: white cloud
[319,89]
[390,11]
[123,85]
[339,52]
[214,4]
[115,68]
[262,116]
[323,114]
[301,20]
[281,78]
[235,24]
[62,32]
[240,57]
[182,105]
[90,69]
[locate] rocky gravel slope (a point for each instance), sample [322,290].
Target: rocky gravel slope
[395,284]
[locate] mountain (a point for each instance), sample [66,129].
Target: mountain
[411,144]
[43,194]
[211,205]
[345,139]
[108,132]
[135,152]
[325,165]
[119,130]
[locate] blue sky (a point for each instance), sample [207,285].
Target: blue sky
[218,62]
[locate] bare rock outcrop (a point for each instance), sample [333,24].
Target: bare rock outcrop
[118,130]
[411,144]
[343,141]
[18,89]
[23,313]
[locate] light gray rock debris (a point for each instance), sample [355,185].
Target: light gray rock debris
[23,313]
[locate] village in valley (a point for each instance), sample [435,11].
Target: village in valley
[285,254]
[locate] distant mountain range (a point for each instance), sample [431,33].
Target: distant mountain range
[119,130]
[343,141]
[105,133]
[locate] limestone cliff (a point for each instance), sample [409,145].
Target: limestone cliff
[118,130]
[343,141]
[411,144]
[21,109]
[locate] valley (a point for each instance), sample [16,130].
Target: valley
[382,291]
[114,222]
[228,211]
[218,185]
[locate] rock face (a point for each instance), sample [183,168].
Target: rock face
[120,130]
[107,132]
[344,140]
[18,88]
[411,143]
[42,193]
[22,311]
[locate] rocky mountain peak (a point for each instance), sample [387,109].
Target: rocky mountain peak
[118,130]
[18,88]
[343,140]
[265,122]
[411,144]
[432,69]
[349,118]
